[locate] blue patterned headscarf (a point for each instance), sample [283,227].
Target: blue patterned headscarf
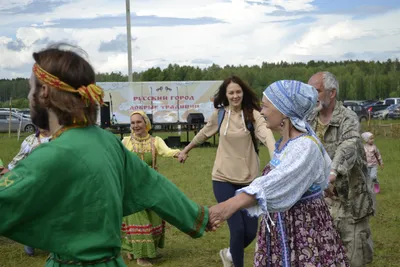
[294,99]
[297,100]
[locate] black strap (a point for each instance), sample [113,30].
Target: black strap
[250,127]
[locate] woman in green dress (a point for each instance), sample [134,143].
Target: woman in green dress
[144,232]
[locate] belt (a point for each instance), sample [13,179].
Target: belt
[83,263]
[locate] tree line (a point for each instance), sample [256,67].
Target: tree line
[359,80]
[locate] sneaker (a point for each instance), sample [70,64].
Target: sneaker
[223,253]
[29,251]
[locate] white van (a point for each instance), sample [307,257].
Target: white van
[392,101]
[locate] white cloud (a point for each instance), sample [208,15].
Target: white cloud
[5,4]
[4,40]
[294,5]
[248,35]
[334,35]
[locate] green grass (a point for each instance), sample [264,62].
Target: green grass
[194,178]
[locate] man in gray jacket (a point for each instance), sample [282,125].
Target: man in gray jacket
[348,197]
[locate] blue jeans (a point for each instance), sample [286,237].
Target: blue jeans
[242,227]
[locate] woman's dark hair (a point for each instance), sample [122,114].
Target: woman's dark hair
[66,62]
[250,100]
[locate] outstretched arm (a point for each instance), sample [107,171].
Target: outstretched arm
[208,131]
[263,133]
[147,189]
[164,150]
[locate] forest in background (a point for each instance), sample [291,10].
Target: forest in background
[358,80]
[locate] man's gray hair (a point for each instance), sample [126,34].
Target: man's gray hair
[330,82]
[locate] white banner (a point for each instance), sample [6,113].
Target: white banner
[168,102]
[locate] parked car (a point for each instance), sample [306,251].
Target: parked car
[369,102]
[375,108]
[16,119]
[26,113]
[395,112]
[361,112]
[392,100]
[353,102]
[384,113]
[374,103]
[15,110]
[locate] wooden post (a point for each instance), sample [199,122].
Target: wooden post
[391,130]
[19,127]
[369,119]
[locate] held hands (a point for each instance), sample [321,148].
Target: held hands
[224,210]
[332,176]
[182,156]
[218,214]
[4,171]
[329,192]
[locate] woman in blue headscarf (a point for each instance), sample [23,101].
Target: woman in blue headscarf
[296,228]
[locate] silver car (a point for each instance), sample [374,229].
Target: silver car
[16,120]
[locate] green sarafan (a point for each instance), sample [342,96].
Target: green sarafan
[194,178]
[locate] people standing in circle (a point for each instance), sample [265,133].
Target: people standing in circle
[296,226]
[69,196]
[349,199]
[144,232]
[240,125]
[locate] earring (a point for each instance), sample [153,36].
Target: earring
[282,123]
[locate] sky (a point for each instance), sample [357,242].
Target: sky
[199,32]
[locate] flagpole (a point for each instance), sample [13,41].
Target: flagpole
[128,33]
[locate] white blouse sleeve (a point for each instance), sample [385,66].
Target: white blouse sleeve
[24,151]
[302,164]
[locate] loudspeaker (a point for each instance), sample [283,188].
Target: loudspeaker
[173,141]
[105,117]
[195,118]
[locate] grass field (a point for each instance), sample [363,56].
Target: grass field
[194,178]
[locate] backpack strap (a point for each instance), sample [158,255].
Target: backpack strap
[221,115]
[250,127]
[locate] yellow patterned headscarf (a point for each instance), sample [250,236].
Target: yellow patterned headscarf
[90,93]
[145,118]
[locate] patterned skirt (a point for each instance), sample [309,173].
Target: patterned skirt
[142,233]
[302,236]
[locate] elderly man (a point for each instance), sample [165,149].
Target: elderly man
[348,197]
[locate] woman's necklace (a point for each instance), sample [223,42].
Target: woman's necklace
[140,145]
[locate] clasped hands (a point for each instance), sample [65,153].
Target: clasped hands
[217,214]
[182,156]
[3,171]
